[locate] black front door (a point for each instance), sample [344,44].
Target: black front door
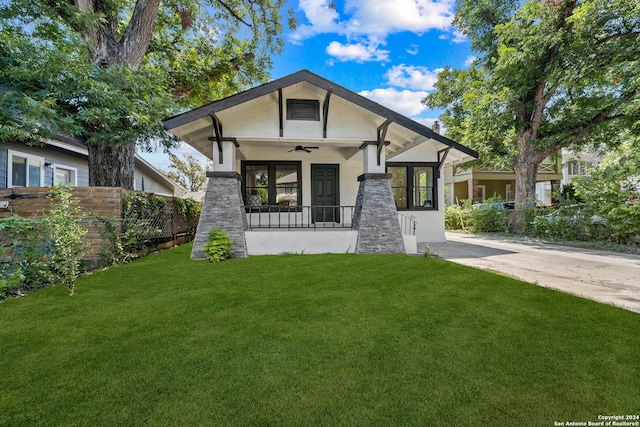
[324,192]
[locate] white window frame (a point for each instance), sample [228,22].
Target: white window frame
[74,173]
[508,193]
[482,189]
[10,155]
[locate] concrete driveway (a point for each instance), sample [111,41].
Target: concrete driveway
[607,277]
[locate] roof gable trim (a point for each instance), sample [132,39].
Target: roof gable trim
[316,80]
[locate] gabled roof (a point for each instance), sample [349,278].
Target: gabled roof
[322,83]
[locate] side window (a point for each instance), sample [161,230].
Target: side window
[413,185]
[25,170]
[64,175]
[399,185]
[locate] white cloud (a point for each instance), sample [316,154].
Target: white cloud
[458,37]
[358,52]
[469,61]
[412,77]
[405,102]
[413,49]
[387,17]
[322,19]
[374,18]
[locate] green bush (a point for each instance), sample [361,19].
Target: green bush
[67,236]
[36,253]
[586,222]
[488,217]
[456,218]
[24,248]
[218,246]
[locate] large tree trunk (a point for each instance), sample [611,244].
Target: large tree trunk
[112,165]
[526,169]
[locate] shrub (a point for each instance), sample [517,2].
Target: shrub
[142,216]
[456,218]
[67,236]
[218,246]
[488,217]
[35,253]
[25,256]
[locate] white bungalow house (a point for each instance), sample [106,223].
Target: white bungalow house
[301,164]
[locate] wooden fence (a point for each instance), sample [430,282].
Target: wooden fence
[106,202]
[34,202]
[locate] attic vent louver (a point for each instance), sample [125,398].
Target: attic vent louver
[303,109]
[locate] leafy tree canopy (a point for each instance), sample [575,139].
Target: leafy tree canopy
[187,172]
[550,74]
[108,71]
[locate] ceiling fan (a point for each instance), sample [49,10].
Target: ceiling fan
[301,148]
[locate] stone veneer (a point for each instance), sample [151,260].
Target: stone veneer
[376,217]
[222,208]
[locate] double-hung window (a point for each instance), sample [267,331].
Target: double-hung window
[269,183]
[25,170]
[413,185]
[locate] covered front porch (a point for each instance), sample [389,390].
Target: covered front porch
[301,164]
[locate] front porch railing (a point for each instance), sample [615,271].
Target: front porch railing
[299,217]
[407,224]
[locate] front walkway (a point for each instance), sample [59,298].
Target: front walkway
[602,276]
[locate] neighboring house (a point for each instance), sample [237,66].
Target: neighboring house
[578,164]
[63,159]
[478,183]
[302,164]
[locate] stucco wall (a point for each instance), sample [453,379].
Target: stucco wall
[259,118]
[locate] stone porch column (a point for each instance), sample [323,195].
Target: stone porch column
[223,204]
[376,216]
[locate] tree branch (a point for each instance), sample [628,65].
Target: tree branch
[617,36]
[583,129]
[137,37]
[63,11]
[541,98]
[232,12]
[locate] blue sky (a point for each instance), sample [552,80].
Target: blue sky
[389,51]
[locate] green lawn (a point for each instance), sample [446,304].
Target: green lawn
[312,340]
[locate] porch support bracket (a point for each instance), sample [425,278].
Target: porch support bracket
[325,112]
[280,118]
[217,134]
[382,134]
[442,155]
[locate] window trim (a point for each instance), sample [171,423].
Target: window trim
[271,188]
[409,187]
[482,187]
[73,170]
[10,154]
